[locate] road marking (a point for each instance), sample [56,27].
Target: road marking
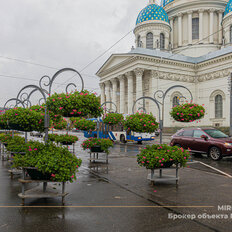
[215,169]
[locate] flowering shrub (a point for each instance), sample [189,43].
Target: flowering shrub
[76,104]
[158,156]
[52,137]
[187,112]
[3,122]
[113,118]
[25,120]
[141,122]
[66,139]
[60,125]
[84,124]
[105,144]
[5,138]
[58,162]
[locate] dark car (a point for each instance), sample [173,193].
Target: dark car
[210,141]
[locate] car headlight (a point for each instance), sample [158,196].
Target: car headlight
[228,144]
[152,137]
[139,138]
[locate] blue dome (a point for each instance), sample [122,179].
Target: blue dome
[152,12]
[166,2]
[228,7]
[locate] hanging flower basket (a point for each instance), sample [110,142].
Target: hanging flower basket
[113,118]
[3,122]
[66,139]
[59,124]
[76,104]
[25,120]
[97,145]
[83,124]
[141,123]
[162,156]
[188,112]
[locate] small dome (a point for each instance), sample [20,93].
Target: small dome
[228,8]
[152,12]
[166,2]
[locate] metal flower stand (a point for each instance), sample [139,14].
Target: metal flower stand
[94,156]
[14,171]
[38,192]
[159,177]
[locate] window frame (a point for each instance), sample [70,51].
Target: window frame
[162,41]
[149,41]
[195,28]
[218,108]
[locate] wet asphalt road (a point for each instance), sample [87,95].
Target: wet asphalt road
[90,205]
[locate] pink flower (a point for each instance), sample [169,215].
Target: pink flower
[53,99]
[16,114]
[162,158]
[81,94]
[53,175]
[72,176]
[178,113]
[162,165]
[184,157]
[144,157]
[144,124]
[160,161]
[60,108]
[35,149]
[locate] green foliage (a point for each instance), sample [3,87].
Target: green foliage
[187,112]
[60,125]
[66,139]
[61,164]
[5,138]
[105,144]
[76,104]
[52,137]
[25,120]
[83,124]
[156,156]
[141,123]
[18,145]
[113,118]
[3,122]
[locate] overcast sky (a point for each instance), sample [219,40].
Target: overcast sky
[58,34]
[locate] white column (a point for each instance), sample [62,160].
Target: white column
[107,89]
[114,90]
[129,76]
[211,14]
[153,88]
[179,29]
[103,98]
[190,16]
[172,31]
[220,27]
[139,82]
[122,94]
[201,25]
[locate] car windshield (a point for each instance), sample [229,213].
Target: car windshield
[216,133]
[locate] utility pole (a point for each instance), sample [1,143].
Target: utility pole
[230,90]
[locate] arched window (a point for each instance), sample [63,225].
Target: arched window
[218,106]
[195,28]
[162,41]
[138,41]
[230,34]
[149,41]
[175,101]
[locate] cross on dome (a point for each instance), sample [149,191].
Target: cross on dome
[152,1]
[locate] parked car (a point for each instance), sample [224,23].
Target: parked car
[210,141]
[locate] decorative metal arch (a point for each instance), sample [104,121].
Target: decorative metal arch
[109,110]
[18,101]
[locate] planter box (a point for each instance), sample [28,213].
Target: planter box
[37,175]
[96,149]
[67,143]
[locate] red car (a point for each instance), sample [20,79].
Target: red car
[210,141]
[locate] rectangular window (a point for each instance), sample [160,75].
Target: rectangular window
[188,133]
[195,28]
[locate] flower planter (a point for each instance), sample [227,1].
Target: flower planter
[67,143]
[96,149]
[168,164]
[37,175]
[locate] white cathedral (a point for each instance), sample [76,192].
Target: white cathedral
[180,42]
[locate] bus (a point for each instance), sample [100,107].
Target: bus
[118,133]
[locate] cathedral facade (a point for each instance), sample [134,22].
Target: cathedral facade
[180,42]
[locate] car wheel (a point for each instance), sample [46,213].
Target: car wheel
[140,142]
[122,139]
[215,153]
